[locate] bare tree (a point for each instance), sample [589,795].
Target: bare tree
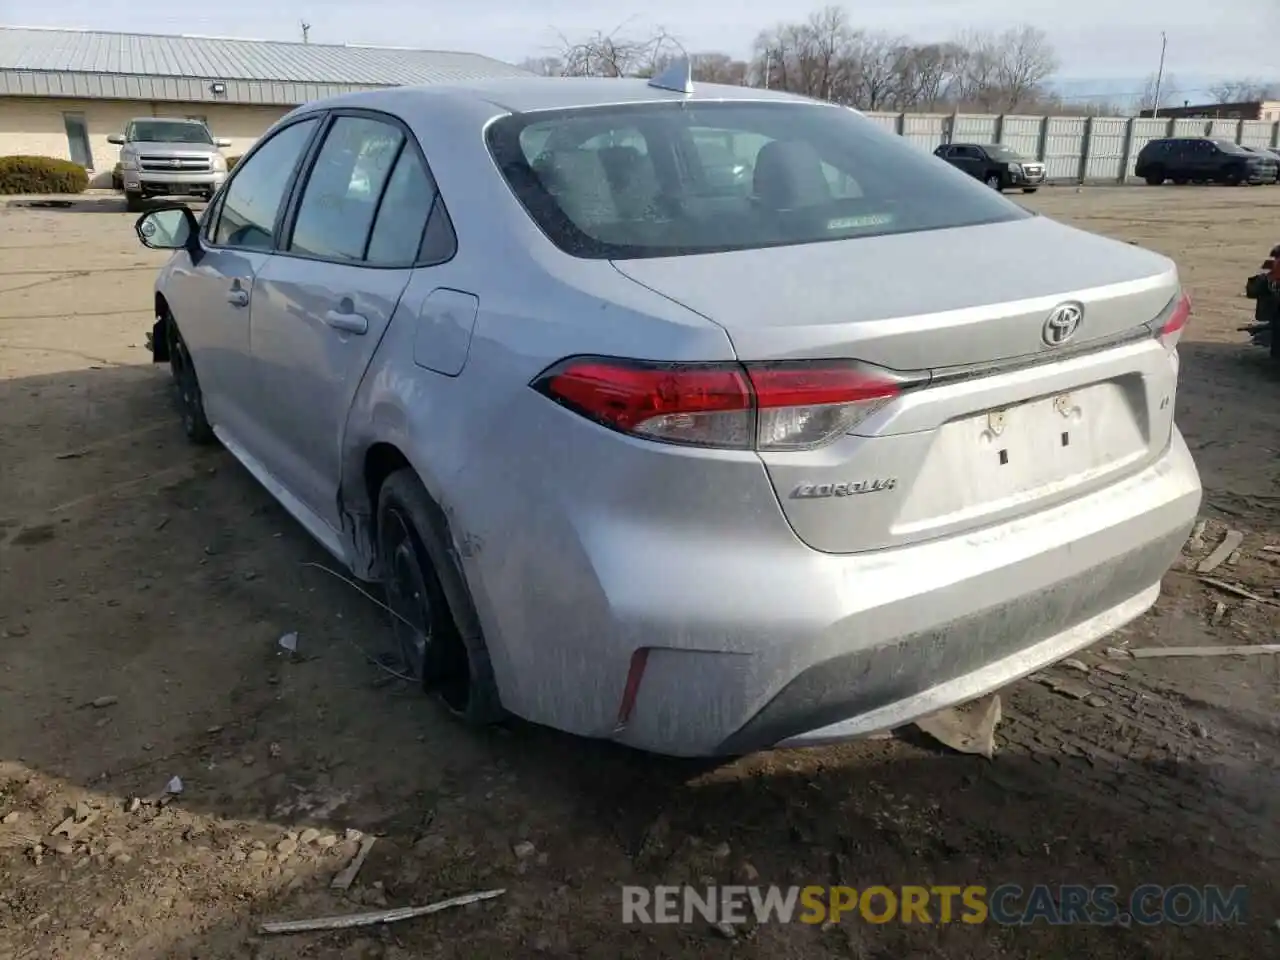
[828,57]
[1244,91]
[543,66]
[1167,87]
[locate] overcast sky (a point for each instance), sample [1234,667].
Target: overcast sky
[1096,39]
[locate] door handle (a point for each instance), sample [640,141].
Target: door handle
[347,322]
[238,297]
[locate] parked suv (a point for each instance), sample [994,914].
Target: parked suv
[168,157]
[1202,160]
[1268,153]
[996,165]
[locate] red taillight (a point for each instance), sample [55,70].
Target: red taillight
[1171,331]
[769,406]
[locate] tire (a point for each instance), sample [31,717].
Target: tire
[441,650]
[1179,181]
[994,181]
[1233,176]
[133,202]
[187,388]
[1154,176]
[1030,189]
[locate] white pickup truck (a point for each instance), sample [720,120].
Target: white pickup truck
[160,156]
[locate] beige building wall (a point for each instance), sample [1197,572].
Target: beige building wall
[36,126]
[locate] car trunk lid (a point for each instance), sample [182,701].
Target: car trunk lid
[1004,420]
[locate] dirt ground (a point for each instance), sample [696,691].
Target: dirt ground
[136,568]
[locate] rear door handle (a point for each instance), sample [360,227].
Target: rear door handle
[347,322]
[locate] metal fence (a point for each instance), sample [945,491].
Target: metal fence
[1074,149]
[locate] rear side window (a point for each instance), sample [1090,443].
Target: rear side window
[402,217]
[252,200]
[663,179]
[341,197]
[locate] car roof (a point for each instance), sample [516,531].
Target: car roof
[525,94]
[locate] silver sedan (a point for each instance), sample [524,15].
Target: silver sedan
[704,420]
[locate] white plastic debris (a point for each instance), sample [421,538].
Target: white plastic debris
[289,641]
[174,786]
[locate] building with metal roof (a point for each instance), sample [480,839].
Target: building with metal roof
[63,92]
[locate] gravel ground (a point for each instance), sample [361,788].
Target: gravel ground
[155,579]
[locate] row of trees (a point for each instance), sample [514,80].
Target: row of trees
[829,57]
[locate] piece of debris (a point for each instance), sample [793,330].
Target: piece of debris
[309,836]
[524,850]
[107,701]
[345,877]
[1196,541]
[1068,688]
[1230,543]
[394,915]
[12,817]
[1077,665]
[1233,559]
[134,805]
[1096,700]
[1242,650]
[1271,549]
[289,642]
[1116,653]
[1219,611]
[725,929]
[71,828]
[274,751]
[968,729]
[164,522]
[1232,588]
[174,786]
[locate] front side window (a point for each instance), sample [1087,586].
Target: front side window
[998,151]
[342,192]
[168,131]
[251,201]
[664,179]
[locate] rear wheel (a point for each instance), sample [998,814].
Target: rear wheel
[1155,176]
[449,662]
[187,388]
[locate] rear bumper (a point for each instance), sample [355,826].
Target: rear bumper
[828,647]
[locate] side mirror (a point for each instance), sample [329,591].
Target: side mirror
[170,228]
[222,142]
[116,138]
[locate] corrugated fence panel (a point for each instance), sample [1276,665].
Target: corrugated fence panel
[1189,128]
[974,128]
[1022,134]
[1257,133]
[1106,148]
[1226,129]
[924,130]
[1064,147]
[890,121]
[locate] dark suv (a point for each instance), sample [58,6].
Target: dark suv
[994,164]
[1202,160]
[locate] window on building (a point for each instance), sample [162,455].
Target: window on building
[78,139]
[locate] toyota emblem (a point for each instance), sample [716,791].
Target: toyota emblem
[1062,323]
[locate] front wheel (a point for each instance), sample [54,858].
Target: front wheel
[133,202]
[187,388]
[1030,189]
[994,181]
[449,662]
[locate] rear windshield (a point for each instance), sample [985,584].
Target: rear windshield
[1230,146]
[663,179]
[169,131]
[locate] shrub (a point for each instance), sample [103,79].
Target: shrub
[41,175]
[231,163]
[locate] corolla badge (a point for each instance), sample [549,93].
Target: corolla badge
[851,488]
